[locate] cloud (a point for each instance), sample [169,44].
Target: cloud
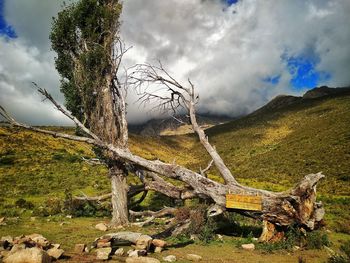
[229,49]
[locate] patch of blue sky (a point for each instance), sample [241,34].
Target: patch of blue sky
[304,72]
[231,2]
[5,29]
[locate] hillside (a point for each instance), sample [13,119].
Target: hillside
[272,150]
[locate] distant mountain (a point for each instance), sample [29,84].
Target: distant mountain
[175,126]
[282,101]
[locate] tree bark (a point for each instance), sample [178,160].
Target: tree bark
[119,196]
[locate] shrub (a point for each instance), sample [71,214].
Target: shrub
[22,203]
[316,240]
[7,160]
[346,248]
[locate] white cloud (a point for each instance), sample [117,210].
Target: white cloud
[225,51]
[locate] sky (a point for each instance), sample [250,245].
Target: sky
[238,53]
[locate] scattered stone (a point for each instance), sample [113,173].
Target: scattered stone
[4,244]
[170,258]
[143,242]
[142,260]
[103,244]
[103,253]
[219,237]
[17,247]
[250,246]
[296,248]
[2,221]
[159,243]
[133,253]
[39,239]
[158,250]
[56,253]
[30,255]
[137,253]
[194,237]
[56,245]
[101,227]
[119,252]
[79,248]
[69,216]
[193,257]
[9,239]
[4,253]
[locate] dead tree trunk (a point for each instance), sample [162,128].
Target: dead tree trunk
[119,196]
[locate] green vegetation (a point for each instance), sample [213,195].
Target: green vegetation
[273,151]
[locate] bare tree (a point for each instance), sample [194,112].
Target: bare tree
[297,206]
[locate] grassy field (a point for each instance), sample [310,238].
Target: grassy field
[272,151]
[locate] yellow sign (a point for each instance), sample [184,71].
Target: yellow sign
[245,202]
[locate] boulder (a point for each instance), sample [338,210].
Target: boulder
[30,255]
[170,258]
[17,247]
[103,244]
[79,248]
[56,253]
[250,246]
[158,249]
[142,260]
[56,245]
[38,239]
[159,243]
[119,252]
[101,227]
[9,239]
[193,257]
[143,242]
[137,253]
[103,253]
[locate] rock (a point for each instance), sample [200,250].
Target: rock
[158,249]
[9,239]
[2,220]
[79,248]
[103,244]
[17,247]
[142,260]
[296,248]
[30,255]
[159,243]
[133,253]
[219,237]
[56,253]
[137,253]
[143,242]
[194,237]
[39,239]
[69,216]
[193,257]
[103,253]
[32,218]
[4,244]
[119,252]
[56,245]
[101,227]
[170,258]
[250,246]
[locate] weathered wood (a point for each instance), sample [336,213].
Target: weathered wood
[244,202]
